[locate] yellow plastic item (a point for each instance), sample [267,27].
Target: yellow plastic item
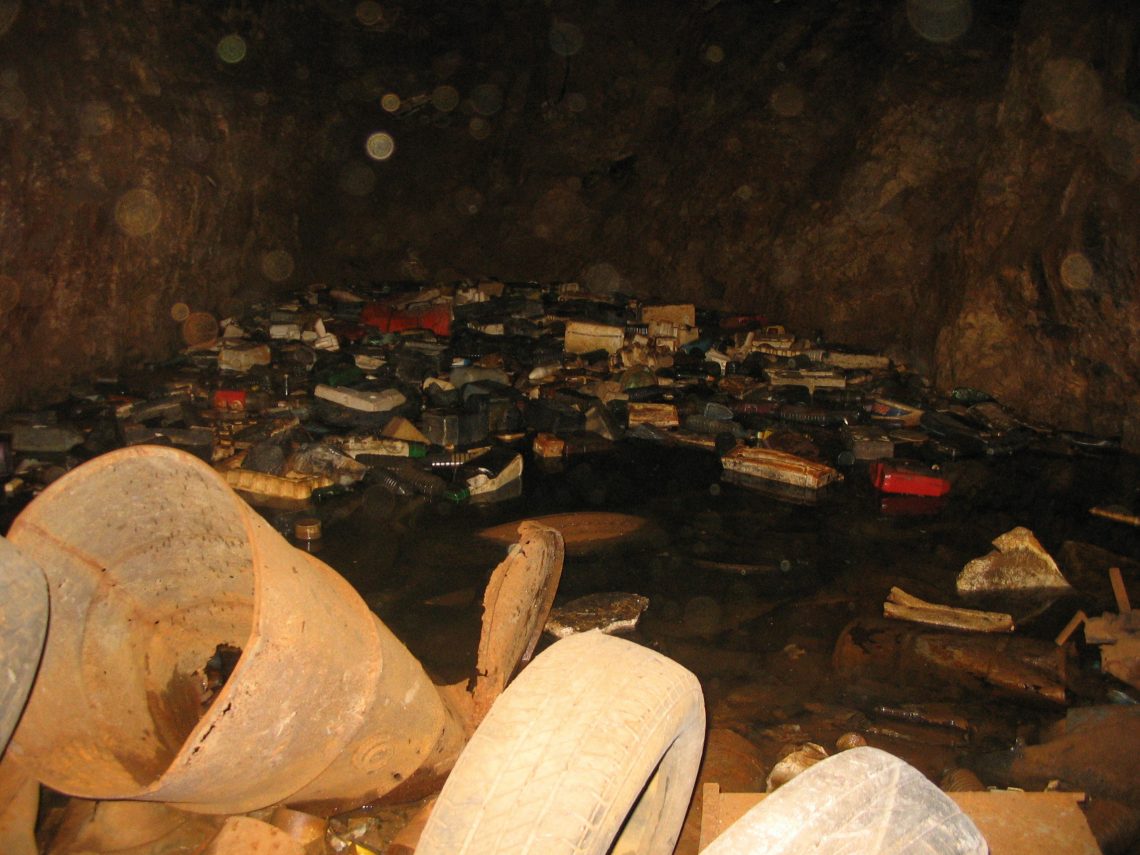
[274,486]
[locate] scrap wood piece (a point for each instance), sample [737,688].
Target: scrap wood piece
[1120,646]
[1016,822]
[904,606]
[1119,591]
[1074,622]
[583,531]
[1119,640]
[1118,635]
[516,604]
[1116,516]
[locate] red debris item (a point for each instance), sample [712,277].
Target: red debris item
[911,506]
[229,399]
[346,331]
[907,478]
[742,322]
[435,317]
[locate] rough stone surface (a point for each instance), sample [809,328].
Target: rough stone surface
[1020,563]
[139,171]
[963,202]
[610,613]
[1054,183]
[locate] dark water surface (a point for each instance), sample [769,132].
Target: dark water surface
[762,641]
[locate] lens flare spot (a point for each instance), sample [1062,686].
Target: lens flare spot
[380,145]
[138,212]
[231,49]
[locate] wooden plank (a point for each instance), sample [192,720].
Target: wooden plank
[1017,823]
[1116,516]
[904,606]
[1118,590]
[1071,627]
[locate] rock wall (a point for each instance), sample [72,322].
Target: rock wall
[809,160]
[1048,316]
[953,185]
[139,170]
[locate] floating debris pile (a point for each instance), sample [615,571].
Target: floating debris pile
[449,391]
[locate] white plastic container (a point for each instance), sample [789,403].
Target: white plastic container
[584,337]
[358,399]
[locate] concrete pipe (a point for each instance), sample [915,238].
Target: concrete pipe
[153,562]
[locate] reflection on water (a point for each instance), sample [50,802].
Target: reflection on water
[752,592]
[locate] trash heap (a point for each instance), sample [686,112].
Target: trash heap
[445,390]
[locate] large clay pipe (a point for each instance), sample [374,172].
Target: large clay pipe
[152,562]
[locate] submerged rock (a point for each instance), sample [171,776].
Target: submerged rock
[1020,563]
[1084,753]
[609,613]
[797,760]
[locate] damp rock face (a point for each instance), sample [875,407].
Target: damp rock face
[949,182]
[1048,312]
[143,168]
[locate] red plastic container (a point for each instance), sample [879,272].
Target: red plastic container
[346,331]
[436,317]
[907,478]
[229,399]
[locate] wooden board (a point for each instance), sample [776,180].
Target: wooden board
[583,531]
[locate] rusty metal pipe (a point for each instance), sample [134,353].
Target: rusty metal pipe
[152,562]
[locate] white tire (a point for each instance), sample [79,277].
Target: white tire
[597,741]
[860,802]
